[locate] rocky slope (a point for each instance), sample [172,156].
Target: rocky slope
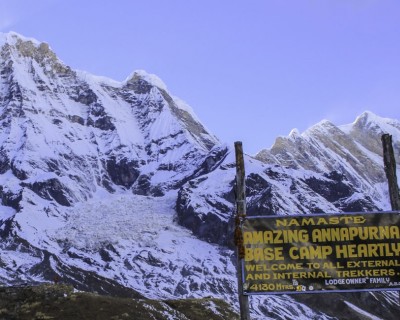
[63,302]
[117,187]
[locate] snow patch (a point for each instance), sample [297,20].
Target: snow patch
[6,213]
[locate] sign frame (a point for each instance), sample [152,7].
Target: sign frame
[347,245]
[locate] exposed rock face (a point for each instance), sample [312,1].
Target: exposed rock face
[10,199]
[124,172]
[51,189]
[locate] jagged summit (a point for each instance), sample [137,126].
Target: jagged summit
[368,116]
[151,79]
[369,121]
[321,126]
[323,146]
[294,134]
[13,37]
[16,48]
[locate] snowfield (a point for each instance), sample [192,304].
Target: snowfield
[135,240]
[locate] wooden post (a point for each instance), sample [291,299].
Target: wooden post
[240,215]
[390,170]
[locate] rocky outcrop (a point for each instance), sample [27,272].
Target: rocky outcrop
[51,189]
[123,172]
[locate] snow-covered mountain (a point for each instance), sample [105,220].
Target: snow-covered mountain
[325,169]
[118,187]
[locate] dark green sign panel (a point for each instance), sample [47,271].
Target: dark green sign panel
[316,253]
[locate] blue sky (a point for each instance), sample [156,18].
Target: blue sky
[252,70]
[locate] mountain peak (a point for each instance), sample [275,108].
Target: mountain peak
[369,119]
[92,118]
[324,123]
[21,49]
[26,46]
[151,79]
[294,134]
[13,37]
[369,122]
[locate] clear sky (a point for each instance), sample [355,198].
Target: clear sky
[251,69]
